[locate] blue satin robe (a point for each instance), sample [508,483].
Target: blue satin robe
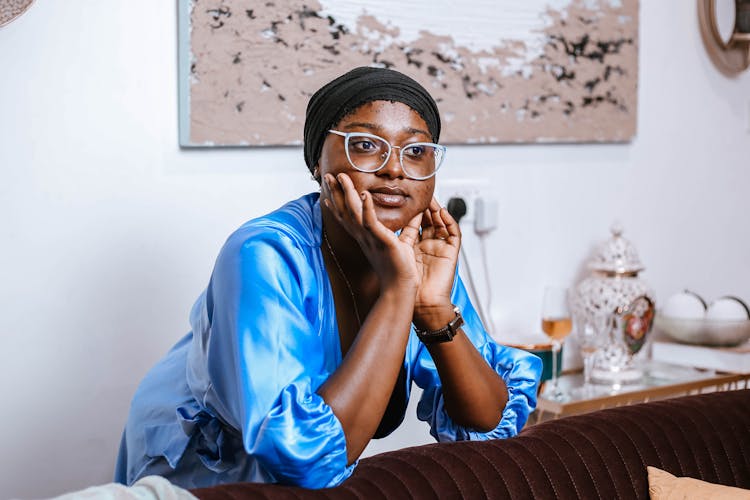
[235,399]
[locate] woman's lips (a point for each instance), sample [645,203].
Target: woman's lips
[388,197]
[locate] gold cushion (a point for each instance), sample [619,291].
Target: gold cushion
[664,486]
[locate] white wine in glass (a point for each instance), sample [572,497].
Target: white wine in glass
[556,324]
[557,328]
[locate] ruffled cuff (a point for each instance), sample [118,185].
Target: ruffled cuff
[521,376]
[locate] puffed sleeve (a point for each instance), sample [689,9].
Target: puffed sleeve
[261,356]
[520,371]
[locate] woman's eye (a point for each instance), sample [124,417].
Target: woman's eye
[363,146]
[415,151]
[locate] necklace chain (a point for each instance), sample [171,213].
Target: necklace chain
[343,275]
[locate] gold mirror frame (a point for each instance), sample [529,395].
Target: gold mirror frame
[733,56]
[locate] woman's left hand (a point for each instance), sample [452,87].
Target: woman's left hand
[474,394]
[436,254]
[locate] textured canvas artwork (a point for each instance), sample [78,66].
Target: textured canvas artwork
[502,71]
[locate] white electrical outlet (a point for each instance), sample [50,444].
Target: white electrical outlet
[485,219]
[467,189]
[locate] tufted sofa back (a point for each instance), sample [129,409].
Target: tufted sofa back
[603,454]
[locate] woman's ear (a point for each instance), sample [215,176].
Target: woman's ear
[316,174]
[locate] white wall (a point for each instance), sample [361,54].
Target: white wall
[109,231]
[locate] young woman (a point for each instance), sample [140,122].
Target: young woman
[319,316]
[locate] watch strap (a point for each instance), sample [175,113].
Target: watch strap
[444,334]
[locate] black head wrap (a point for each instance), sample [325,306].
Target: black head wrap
[359,86]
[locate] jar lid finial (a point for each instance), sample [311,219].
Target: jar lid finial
[616,255]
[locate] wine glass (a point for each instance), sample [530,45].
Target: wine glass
[556,323]
[590,335]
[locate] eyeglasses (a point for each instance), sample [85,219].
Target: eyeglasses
[369,153]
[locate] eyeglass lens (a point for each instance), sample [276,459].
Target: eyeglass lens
[370,153]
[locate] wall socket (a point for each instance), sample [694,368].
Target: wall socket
[468,189]
[485,218]
[475,194]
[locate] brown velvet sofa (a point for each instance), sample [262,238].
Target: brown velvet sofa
[597,455]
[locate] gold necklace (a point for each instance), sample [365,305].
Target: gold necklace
[343,275]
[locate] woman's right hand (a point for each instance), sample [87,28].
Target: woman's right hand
[392,257]
[359,390]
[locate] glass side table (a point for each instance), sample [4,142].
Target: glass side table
[661,381]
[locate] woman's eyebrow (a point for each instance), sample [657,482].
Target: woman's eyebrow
[378,128]
[415,131]
[372,126]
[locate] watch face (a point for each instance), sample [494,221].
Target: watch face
[11,9]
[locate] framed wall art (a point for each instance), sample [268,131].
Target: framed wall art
[501,71]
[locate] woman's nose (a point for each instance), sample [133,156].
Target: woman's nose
[392,167]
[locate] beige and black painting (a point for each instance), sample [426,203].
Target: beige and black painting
[502,71]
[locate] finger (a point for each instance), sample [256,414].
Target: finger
[410,232]
[434,204]
[353,201]
[325,190]
[437,221]
[334,194]
[428,230]
[370,219]
[452,227]
[336,215]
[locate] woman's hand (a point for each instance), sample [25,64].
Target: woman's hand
[392,257]
[474,395]
[436,255]
[359,390]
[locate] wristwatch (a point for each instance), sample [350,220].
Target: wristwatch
[444,334]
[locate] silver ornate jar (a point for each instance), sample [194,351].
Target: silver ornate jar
[613,310]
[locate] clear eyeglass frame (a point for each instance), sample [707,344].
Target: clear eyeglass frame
[440,149]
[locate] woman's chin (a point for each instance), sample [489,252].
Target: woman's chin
[393,221]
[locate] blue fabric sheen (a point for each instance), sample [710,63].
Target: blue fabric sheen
[235,399]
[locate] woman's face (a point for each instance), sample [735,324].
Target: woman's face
[397,198]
